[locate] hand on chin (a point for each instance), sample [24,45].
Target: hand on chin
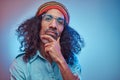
[47,38]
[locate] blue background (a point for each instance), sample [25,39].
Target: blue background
[97,21]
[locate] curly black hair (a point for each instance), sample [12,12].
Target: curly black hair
[28,35]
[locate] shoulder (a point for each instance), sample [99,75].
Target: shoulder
[19,59]
[76,63]
[18,68]
[20,55]
[76,67]
[18,62]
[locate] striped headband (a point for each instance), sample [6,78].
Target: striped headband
[53,5]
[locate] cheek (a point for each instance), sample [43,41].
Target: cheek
[61,30]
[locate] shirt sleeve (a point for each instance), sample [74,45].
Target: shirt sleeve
[76,67]
[76,70]
[16,71]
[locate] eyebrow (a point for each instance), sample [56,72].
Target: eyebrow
[54,16]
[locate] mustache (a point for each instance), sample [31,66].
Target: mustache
[54,31]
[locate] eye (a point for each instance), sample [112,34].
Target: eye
[60,20]
[47,17]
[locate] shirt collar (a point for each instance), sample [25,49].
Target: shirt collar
[37,55]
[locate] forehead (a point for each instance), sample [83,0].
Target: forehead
[55,13]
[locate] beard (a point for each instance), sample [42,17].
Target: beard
[52,32]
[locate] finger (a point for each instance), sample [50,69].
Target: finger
[47,50]
[47,37]
[49,44]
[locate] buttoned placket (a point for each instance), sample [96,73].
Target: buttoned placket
[50,68]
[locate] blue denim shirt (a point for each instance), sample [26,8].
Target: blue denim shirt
[38,68]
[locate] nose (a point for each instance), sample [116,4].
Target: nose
[53,23]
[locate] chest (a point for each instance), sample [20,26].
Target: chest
[40,70]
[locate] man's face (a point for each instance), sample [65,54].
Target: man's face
[52,23]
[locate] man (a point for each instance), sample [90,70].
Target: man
[49,46]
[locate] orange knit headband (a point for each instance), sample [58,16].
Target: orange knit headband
[54,5]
